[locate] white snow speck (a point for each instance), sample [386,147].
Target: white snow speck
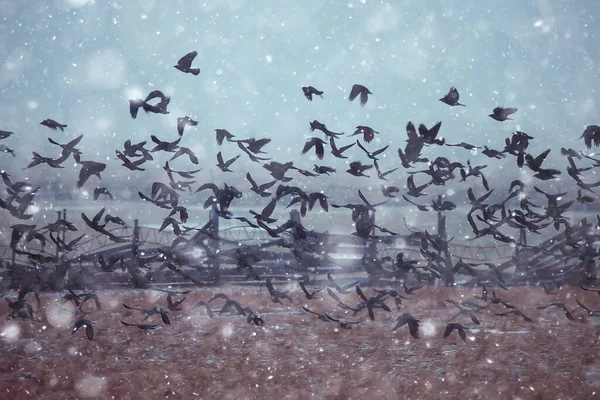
[227,331]
[269,58]
[428,328]
[76,3]
[11,332]
[91,386]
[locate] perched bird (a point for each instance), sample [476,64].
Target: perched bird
[501,114]
[452,98]
[309,91]
[52,124]
[185,63]
[363,91]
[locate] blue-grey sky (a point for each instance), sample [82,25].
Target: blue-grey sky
[80,61]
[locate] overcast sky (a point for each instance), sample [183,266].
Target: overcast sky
[79,62]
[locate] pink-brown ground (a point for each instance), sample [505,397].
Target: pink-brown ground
[295,355]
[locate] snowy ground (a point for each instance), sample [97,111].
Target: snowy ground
[295,355]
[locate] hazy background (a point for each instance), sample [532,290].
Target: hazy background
[79,62]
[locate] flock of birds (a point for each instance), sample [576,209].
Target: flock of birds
[515,210]
[20,309]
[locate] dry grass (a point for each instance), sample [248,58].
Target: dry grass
[295,355]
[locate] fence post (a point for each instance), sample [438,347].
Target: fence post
[58,238]
[520,262]
[135,243]
[214,244]
[444,251]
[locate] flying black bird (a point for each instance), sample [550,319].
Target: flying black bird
[429,136]
[316,125]
[370,303]
[413,190]
[260,189]
[144,327]
[501,114]
[309,91]
[317,143]
[148,313]
[102,190]
[516,312]
[307,294]
[338,152]
[561,306]
[161,106]
[342,324]
[340,289]
[591,313]
[570,153]
[452,326]
[89,168]
[5,149]
[276,295]
[89,330]
[597,291]
[5,134]
[382,175]
[535,164]
[224,166]
[413,324]
[358,169]
[255,145]
[389,191]
[164,146]
[185,63]
[185,151]
[452,98]
[363,91]
[591,134]
[323,169]
[223,134]
[322,317]
[464,145]
[367,132]
[491,153]
[182,122]
[52,124]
